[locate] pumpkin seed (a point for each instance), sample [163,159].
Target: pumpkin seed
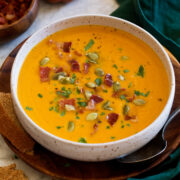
[121,77]
[92,57]
[124,57]
[99,72]
[44,61]
[88,94]
[116,86]
[91,116]
[69,107]
[91,85]
[56,76]
[64,80]
[70,126]
[106,106]
[125,109]
[139,102]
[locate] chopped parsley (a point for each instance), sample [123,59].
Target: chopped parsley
[58,127]
[89,45]
[98,81]
[130,84]
[105,90]
[123,97]
[64,92]
[128,124]
[28,108]
[115,66]
[112,137]
[122,126]
[138,93]
[40,95]
[51,108]
[141,71]
[107,127]
[77,117]
[102,114]
[73,78]
[63,113]
[126,70]
[78,90]
[82,104]
[82,140]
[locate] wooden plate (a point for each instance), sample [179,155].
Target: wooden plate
[63,168]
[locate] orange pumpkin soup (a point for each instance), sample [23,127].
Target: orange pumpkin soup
[92,84]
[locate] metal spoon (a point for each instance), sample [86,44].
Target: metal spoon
[151,150]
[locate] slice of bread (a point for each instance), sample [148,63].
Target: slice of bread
[11,128]
[11,173]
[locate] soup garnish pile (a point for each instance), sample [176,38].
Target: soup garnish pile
[92,84]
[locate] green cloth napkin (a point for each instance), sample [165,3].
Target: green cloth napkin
[162,19]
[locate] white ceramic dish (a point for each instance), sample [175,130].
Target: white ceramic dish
[101,151]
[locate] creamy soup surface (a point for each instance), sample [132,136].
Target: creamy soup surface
[92,84]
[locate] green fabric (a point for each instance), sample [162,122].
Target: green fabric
[160,17]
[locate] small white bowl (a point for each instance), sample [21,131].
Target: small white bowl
[100,151]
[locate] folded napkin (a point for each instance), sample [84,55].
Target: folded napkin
[162,19]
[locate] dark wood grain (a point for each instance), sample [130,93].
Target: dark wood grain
[63,168]
[10,31]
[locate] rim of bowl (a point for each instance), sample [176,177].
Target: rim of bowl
[43,131]
[25,14]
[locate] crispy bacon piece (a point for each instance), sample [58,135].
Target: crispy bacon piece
[96,99]
[74,65]
[86,68]
[112,118]
[2,20]
[91,105]
[44,74]
[128,117]
[77,53]
[95,128]
[67,46]
[108,80]
[57,70]
[130,99]
[63,102]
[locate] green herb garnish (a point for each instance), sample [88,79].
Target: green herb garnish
[58,127]
[141,71]
[40,95]
[82,104]
[78,90]
[126,70]
[51,108]
[82,140]
[105,91]
[77,117]
[89,45]
[98,81]
[112,137]
[63,113]
[138,93]
[28,108]
[102,114]
[128,124]
[130,84]
[73,78]
[115,66]
[65,92]
[107,127]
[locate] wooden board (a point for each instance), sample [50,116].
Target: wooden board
[63,168]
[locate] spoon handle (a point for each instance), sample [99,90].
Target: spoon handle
[171,117]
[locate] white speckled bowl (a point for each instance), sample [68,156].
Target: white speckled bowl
[101,151]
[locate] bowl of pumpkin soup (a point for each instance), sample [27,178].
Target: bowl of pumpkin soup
[92,87]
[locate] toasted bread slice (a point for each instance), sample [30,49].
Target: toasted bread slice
[11,173]
[11,128]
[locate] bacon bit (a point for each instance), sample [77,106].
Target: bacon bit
[95,128]
[91,105]
[96,99]
[81,110]
[63,102]
[130,99]
[74,65]
[112,118]
[44,74]
[67,46]
[57,70]
[127,117]
[86,68]
[108,80]
[77,53]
